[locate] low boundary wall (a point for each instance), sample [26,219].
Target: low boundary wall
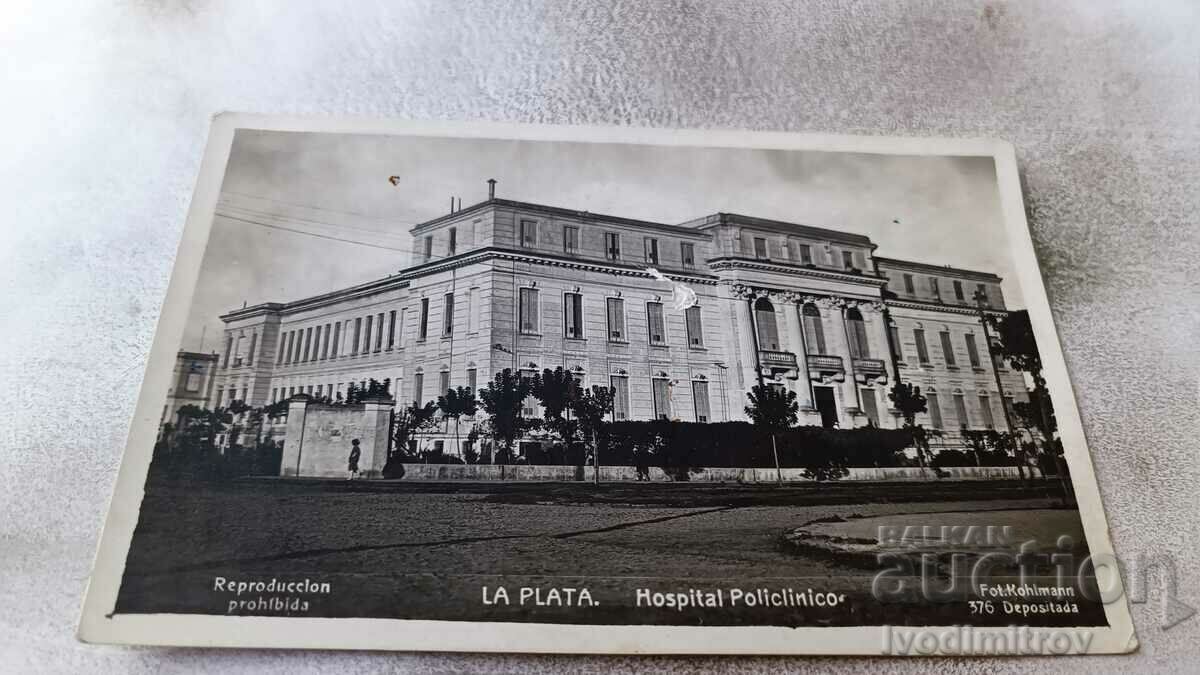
[536,472]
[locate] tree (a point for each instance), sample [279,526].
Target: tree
[502,400]
[406,423]
[908,399]
[1017,343]
[558,390]
[456,403]
[590,408]
[773,407]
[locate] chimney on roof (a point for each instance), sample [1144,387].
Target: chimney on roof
[491,188]
[452,205]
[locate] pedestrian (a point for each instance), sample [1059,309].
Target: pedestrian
[355,453]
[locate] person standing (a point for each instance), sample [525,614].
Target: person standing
[355,453]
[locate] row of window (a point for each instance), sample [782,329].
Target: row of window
[813,329]
[361,335]
[528,317]
[528,238]
[960,410]
[946,344]
[850,260]
[234,351]
[935,289]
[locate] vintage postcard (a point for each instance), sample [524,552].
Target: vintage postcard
[483,387]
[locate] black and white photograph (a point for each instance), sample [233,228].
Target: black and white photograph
[493,377]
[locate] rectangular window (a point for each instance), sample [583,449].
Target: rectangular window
[391,329]
[616,319]
[985,405]
[570,239]
[448,315]
[687,253]
[847,260]
[620,385]
[908,284]
[471,381]
[423,326]
[337,335]
[860,261]
[695,330]
[655,324]
[661,389]
[527,312]
[279,351]
[573,315]
[357,336]
[935,410]
[805,254]
[228,350]
[972,351]
[379,332]
[529,405]
[981,290]
[428,248]
[960,409]
[897,351]
[933,287]
[870,406]
[651,250]
[307,343]
[760,248]
[922,349]
[453,245]
[947,348]
[473,310]
[444,382]
[612,246]
[366,344]
[528,233]
[958,291]
[700,396]
[419,388]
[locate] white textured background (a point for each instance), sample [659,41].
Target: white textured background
[104,107]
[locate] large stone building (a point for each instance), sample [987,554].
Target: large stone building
[506,284]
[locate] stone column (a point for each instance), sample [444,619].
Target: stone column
[746,348]
[795,341]
[293,441]
[838,344]
[377,417]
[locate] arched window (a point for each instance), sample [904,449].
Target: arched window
[856,330]
[764,320]
[814,334]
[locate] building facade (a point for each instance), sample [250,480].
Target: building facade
[681,320]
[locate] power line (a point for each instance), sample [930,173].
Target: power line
[268,214]
[313,234]
[330,237]
[298,205]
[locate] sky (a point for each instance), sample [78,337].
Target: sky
[292,203]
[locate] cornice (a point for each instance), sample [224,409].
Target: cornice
[948,309]
[737,263]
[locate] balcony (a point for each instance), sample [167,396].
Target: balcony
[780,360]
[866,369]
[822,365]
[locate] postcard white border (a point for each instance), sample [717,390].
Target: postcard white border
[96,624]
